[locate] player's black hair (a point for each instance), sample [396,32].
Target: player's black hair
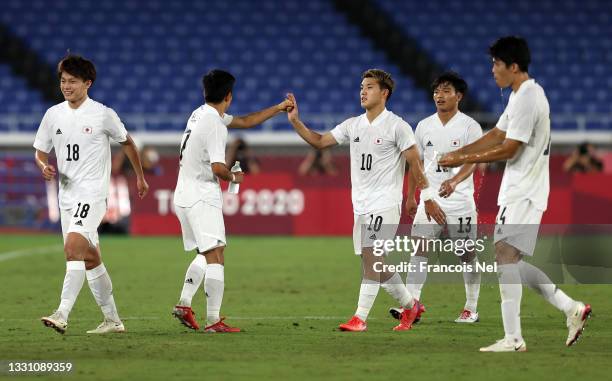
[454,79]
[512,49]
[217,84]
[77,66]
[382,77]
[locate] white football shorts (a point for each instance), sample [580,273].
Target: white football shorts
[459,226]
[202,226]
[517,224]
[84,218]
[375,226]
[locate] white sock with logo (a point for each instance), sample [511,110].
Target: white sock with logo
[102,289]
[214,285]
[395,287]
[416,278]
[471,280]
[511,291]
[73,281]
[193,280]
[367,295]
[537,280]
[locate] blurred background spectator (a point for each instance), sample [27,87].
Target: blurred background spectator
[238,150]
[584,159]
[318,162]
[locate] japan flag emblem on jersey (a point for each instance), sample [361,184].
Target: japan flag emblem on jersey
[378,141]
[455,143]
[87,130]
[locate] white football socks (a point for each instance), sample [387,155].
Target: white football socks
[471,281]
[367,295]
[73,281]
[511,291]
[193,280]
[416,278]
[102,289]
[395,287]
[214,285]
[537,280]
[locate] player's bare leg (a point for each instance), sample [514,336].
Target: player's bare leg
[471,280]
[214,285]
[193,279]
[101,288]
[75,249]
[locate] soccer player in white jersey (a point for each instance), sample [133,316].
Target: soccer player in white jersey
[522,138]
[198,197]
[444,131]
[380,144]
[80,130]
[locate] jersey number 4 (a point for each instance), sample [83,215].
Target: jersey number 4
[73,152]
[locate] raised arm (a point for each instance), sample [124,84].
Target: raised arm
[258,117]
[130,150]
[315,139]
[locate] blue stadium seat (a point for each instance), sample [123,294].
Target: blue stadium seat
[569,40]
[151,55]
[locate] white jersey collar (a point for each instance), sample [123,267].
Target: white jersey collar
[449,121]
[378,120]
[208,109]
[82,107]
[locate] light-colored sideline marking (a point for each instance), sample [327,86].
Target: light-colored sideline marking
[27,252]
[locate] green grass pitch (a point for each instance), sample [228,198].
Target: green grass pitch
[289,295]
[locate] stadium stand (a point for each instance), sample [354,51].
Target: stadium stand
[570,55]
[151,55]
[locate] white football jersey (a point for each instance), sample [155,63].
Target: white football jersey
[203,143]
[527,119]
[434,139]
[82,147]
[377,164]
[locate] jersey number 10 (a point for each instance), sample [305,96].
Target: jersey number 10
[366,161]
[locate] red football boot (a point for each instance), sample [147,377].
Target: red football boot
[354,325]
[408,317]
[396,313]
[186,316]
[220,327]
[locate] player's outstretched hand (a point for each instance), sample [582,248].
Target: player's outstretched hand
[143,187]
[433,210]
[452,159]
[411,207]
[285,106]
[49,172]
[447,188]
[292,113]
[239,177]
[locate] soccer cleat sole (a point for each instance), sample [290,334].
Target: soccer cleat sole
[395,314]
[50,324]
[179,315]
[586,315]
